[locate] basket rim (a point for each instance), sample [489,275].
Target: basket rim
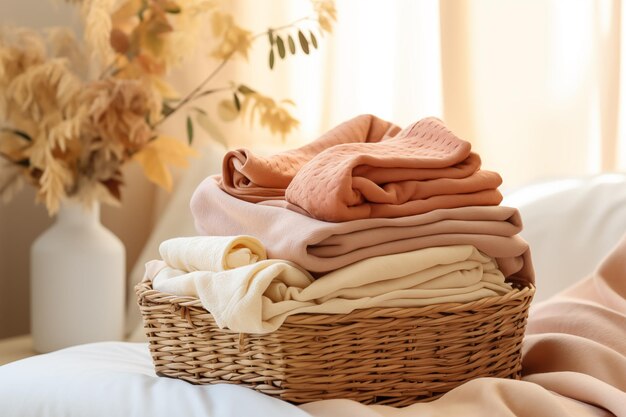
[522,296]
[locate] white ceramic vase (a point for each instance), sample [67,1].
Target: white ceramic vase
[77,281]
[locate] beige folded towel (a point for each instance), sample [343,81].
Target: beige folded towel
[257,298]
[212,253]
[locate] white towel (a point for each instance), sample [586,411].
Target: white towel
[257,298]
[212,253]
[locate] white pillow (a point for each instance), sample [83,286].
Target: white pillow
[570,224]
[116,379]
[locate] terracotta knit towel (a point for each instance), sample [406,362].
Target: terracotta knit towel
[320,246]
[423,168]
[256,178]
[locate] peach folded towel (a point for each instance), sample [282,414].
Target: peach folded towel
[256,178]
[257,298]
[423,168]
[320,246]
[363,168]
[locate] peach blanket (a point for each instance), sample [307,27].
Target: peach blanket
[359,170]
[320,246]
[574,361]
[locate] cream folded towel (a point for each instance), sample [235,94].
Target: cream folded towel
[257,298]
[212,253]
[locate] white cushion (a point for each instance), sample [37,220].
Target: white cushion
[570,224]
[116,379]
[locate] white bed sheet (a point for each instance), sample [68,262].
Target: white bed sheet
[570,225]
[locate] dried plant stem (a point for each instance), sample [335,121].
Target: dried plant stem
[194,93]
[287,26]
[196,90]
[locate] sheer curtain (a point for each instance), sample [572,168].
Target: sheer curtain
[534,85]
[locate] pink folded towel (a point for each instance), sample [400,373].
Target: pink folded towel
[321,246]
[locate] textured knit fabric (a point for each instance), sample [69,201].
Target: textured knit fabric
[364,168]
[423,168]
[256,178]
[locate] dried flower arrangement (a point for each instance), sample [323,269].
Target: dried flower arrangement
[69,133]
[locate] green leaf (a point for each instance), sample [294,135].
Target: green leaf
[210,128]
[245,90]
[304,44]
[270,37]
[237,102]
[281,47]
[313,40]
[166,110]
[272,59]
[189,130]
[292,45]
[207,92]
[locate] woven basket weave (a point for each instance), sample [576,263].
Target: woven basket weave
[393,356]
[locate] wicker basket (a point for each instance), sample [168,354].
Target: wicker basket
[393,356]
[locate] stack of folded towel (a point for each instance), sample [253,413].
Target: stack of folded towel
[358,171]
[365,216]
